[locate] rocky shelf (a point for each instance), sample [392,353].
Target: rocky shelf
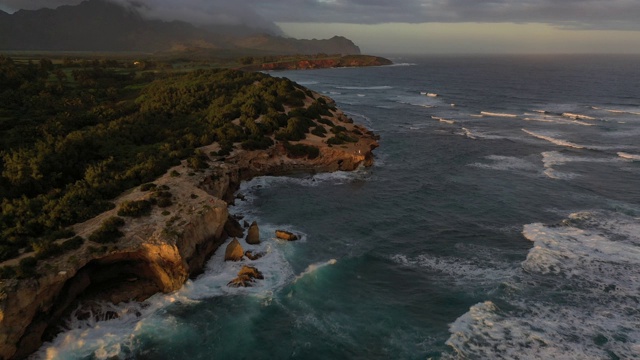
[160,251]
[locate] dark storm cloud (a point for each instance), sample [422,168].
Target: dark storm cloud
[600,14]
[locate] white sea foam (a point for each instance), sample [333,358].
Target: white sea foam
[468,133]
[553,140]
[474,134]
[555,158]
[506,163]
[475,271]
[628,156]
[578,296]
[314,267]
[116,337]
[401,64]
[443,120]
[577,116]
[556,120]
[494,114]
[623,112]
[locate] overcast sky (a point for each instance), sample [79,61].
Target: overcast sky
[417,26]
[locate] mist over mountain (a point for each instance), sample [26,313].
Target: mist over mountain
[101,25]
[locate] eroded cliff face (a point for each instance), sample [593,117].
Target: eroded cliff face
[158,252]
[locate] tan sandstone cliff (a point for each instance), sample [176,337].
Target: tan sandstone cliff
[158,252]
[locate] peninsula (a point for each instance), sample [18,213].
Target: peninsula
[117,187]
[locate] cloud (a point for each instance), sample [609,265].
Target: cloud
[588,14]
[198,12]
[574,14]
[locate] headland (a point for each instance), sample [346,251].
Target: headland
[159,251]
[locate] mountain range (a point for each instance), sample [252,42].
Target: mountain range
[101,25]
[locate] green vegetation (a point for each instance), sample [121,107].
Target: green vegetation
[301,150]
[74,134]
[109,231]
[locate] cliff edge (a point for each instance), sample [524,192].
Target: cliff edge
[158,252]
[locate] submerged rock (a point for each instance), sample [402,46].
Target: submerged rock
[251,256]
[286,235]
[234,251]
[253,235]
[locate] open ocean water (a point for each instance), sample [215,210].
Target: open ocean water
[509,235]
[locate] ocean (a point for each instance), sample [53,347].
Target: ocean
[501,220]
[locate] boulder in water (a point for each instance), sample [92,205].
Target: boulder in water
[246,277]
[253,235]
[286,235]
[234,251]
[251,256]
[251,272]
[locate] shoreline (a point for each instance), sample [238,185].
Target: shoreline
[161,251]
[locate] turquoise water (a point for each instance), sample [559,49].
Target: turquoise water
[501,236]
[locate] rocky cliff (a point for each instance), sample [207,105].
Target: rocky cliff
[160,251]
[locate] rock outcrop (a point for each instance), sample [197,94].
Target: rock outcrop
[251,256]
[234,251]
[246,277]
[253,235]
[286,235]
[158,252]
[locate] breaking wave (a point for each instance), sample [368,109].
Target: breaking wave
[494,114]
[576,297]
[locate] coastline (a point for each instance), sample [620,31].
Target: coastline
[158,252]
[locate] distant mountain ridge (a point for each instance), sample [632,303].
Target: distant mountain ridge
[100,25]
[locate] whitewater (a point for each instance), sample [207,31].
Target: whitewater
[506,226]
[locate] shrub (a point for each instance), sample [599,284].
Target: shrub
[326,122]
[109,231]
[335,141]
[301,150]
[45,249]
[27,268]
[174,173]
[319,131]
[257,143]
[147,186]
[338,129]
[198,160]
[72,244]
[164,202]
[134,208]
[7,272]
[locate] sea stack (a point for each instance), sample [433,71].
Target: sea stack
[253,235]
[234,251]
